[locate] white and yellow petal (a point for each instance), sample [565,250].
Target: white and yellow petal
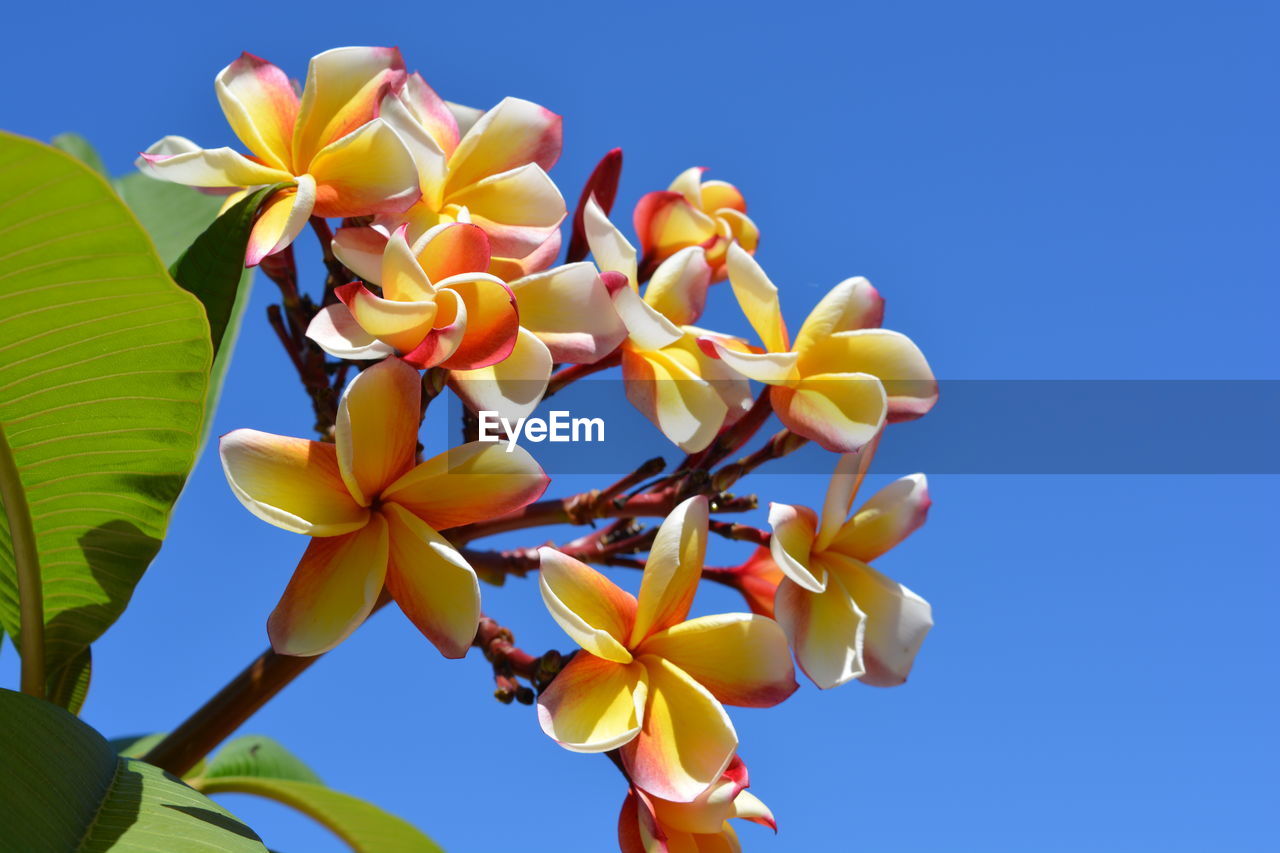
[593,704]
[332,591]
[743,659]
[791,545]
[896,622]
[342,92]
[514,386]
[892,357]
[432,583]
[840,411]
[825,630]
[292,483]
[336,331]
[686,739]
[281,220]
[513,133]
[261,107]
[171,159]
[590,608]
[758,298]
[612,251]
[891,515]
[678,288]
[368,171]
[474,481]
[570,311]
[672,571]
[376,434]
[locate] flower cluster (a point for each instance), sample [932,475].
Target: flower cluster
[448,244]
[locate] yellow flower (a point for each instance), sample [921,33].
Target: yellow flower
[647,681]
[649,824]
[844,619]
[686,393]
[694,212]
[340,157]
[844,376]
[491,164]
[374,515]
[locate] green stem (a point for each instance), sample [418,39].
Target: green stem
[27,562]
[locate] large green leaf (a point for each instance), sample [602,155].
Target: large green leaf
[103,372]
[259,765]
[65,789]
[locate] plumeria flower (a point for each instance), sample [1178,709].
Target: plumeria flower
[494,164]
[844,376]
[844,619]
[694,212]
[684,392]
[374,515]
[757,579]
[649,824]
[647,681]
[438,305]
[338,156]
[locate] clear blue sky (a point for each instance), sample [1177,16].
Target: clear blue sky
[1042,191]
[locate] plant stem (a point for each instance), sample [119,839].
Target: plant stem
[26,560]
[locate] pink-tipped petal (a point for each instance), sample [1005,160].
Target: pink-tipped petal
[493,321]
[338,334]
[343,90]
[260,106]
[513,133]
[841,412]
[360,249]
[741,658]
[892,357]
[281,220]
[207,167]
[891,515]
[570,311]
[612,251]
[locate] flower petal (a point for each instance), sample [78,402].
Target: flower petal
[377,427]
[368,171]
[758,298]
[611,251]
[666,222]
[281,220]
[791,545]
[206,167]
[453,249]
[587,605]
[717,195]
[477,480]
[663,386]
[338,334]
[343,89]
[514,386]
[678,288]
[647,328]
[892,514]
[292,483]
[403,325]
[686,740]
[672,571]
[897,621]
[748,807]
[772,368]
[570,311]
[825,630]
[360,249]
[513,133]
[743,659]
[637,830]
[260,106]
[851,304]
[402,277]
[332,591]
[430,158]
[845,482]
[518,208]
[840,411]
[432,111]
[890,356]
[594,705]
[493,322]
[433,583]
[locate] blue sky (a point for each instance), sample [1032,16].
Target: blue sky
[1041,191]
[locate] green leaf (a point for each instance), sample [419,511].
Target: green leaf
[255,755]
[259,765]
[213,266]
[68,685]
[78,147]
[174,215]
[65,789]
[104,367]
